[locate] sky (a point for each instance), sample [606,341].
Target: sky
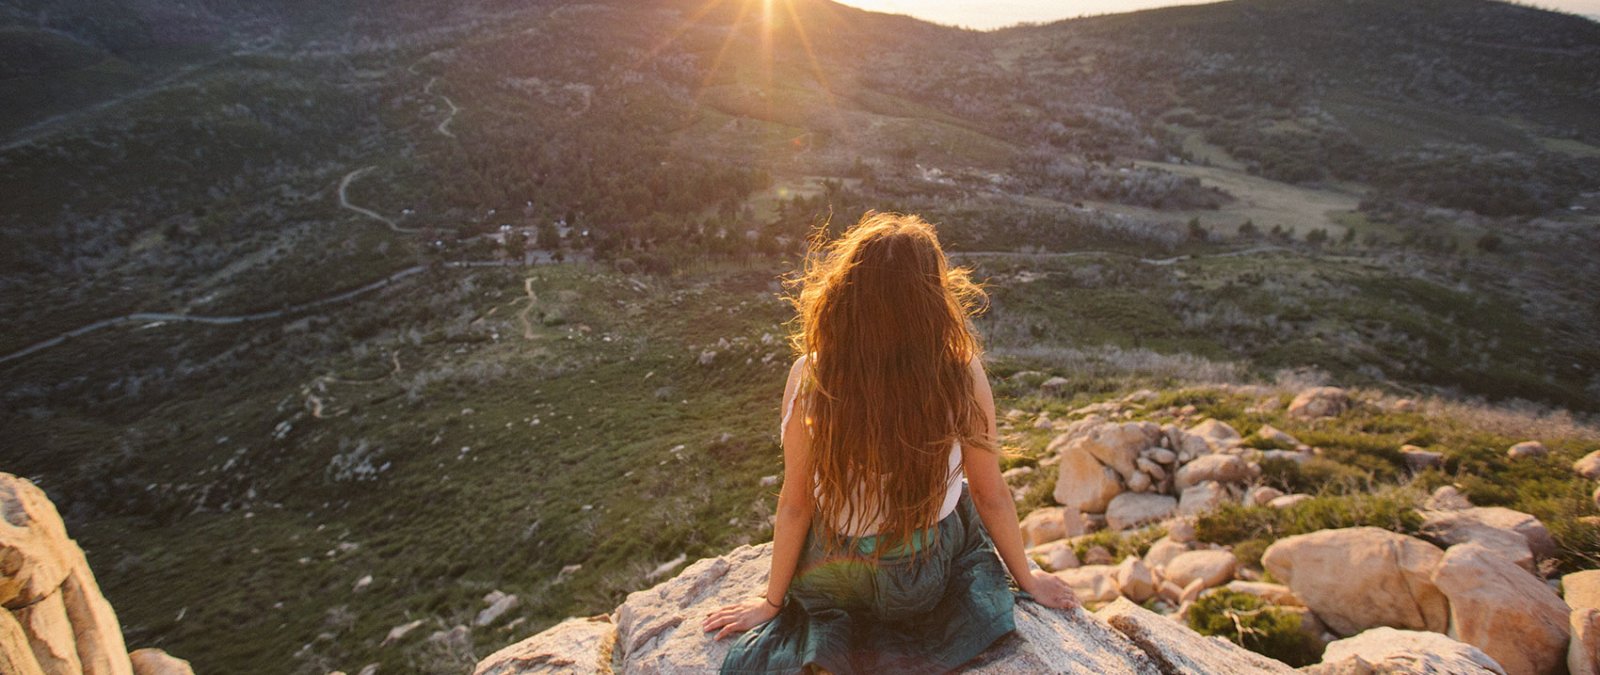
[985,14]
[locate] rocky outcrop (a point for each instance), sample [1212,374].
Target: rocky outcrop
[1319,402]
[54,618]
[1500,608]
[1362,577]
[1177,649]
[1387,650]
[1131,509]
[1588,466]
[657,631]
[1582,589]
[1210,568]
[1513,535]
[572,646]
[1527,450]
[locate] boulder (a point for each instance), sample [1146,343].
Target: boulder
[1476,522]
[1131,509]
[1184,445]
[1319,402]
[16,655]
[1582,589]
[1277,594]
[1162,552]
[151,661]
[1097,555]
[1114,445]
[1051,523]
[1059,641]
[574,645]
[34,549]
[1092,583]
[1362,577]
[1151,468]
[1217,434]
[1417,459]
[1261,495]
[1135,580]
[1447,498]
[1211,567]
[1277,437]
[1139,482]
[1527,450]
[1177,649]
[1220,468]
[1588,466]
[1583,650]
[1496,606]
[1055,386]
[1159,455]
[1084,484]
[1386,650]
[1054,556]
[1287,501]
[1202,498]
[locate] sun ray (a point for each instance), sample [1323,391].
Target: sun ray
[811,57]
[722,52]
[683,27]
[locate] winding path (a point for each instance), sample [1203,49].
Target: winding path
[444,127]
[344,202]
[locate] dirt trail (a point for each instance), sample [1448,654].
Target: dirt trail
[344,201]
[533,301]
[444,127]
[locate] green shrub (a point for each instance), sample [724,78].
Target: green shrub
[1252,623]
[1249,552]
[1393,509]
[1120,544]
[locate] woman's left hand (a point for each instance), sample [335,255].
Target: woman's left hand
[740,617]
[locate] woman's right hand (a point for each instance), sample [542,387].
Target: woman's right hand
[1049,590]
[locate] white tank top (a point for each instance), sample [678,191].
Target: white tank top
[853,528]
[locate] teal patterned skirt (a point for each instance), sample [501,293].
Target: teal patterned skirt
[847,614]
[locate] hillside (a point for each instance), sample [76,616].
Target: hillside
[473,297]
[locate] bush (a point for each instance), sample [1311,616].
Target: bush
[1394,510]
[1252,623]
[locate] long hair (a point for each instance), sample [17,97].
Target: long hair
[885,322]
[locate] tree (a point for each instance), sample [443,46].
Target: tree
[1197,232]
[1248,230]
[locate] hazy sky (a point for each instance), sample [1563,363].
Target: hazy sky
[997,13]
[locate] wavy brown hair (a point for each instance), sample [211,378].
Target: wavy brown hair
[886,323]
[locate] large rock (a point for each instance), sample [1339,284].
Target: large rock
[151,661]
[1588,466]
[1163,551]
[1583,651]
[1489,525]
[1054,556]
[1362,577]
[1177,649]
[1135,580]
[1051,523]
[1527,450]
[1582,589]
[1319,402]
[1114,445]
[1418,459]
[1084,484]
[1201,498]
[1499,608]
[35,553]
[658,630]
[1277,437]
[1131,509]
[572,646]
[1386,650]
[1092,583]
[1211,567]
[1218,435]
[1220,468]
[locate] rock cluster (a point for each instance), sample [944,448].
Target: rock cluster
[657,631]
[54,619]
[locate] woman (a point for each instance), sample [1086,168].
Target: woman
[882,557]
